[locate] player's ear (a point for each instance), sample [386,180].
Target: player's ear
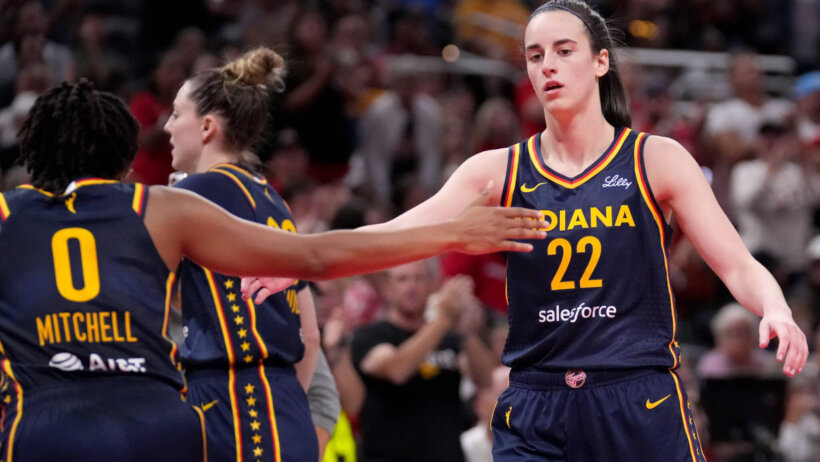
[209,128]
[602,63]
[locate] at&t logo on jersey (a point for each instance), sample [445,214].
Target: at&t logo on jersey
[69,362]
[581,311]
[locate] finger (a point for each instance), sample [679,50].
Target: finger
[526,234]
[262,295]
[527,223]
[512,246]
[765,334]
[783,345]
[245,282]
[520,212]
[253,286]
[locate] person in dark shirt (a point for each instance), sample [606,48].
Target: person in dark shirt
[410,368]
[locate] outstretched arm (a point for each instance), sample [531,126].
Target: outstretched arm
[182,223]
[680,187]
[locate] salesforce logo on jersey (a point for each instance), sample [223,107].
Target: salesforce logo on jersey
[69,362]
[581,311]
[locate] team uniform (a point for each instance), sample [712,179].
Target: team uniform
[238,356]
[88,371]
[592,342]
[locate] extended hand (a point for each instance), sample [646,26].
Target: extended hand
[792,346]
[265,287]
[485,229]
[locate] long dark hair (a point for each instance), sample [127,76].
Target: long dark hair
[614,102]
[74,131]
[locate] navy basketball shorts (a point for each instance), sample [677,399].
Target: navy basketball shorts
[116,419]
[254,413]
[595,416]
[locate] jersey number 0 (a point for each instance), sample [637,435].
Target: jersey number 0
[62,264]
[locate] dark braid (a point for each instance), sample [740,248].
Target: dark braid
[74,131]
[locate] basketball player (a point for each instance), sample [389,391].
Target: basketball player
[87,263]
[239,357]
[593,330]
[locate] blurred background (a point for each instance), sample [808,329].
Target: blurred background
[385,98]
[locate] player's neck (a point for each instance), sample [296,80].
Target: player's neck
[575,142]
[214,156]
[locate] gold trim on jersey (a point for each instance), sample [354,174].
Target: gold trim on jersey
[683,416]
[231,361]
[513,175]
[238,183]
[572,184]
[656,215]
[271,414]
[169,288]
[6,365]
[4,207]
[252,311]
[139,198]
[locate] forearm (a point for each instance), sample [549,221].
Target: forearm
[754,287]
[480,359]
[409,355]
[343,253]
[310,335]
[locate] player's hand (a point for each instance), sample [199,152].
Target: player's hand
[483,229]
[263,287]
[792,349]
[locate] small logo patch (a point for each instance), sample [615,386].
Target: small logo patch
[651,405]
[575,378]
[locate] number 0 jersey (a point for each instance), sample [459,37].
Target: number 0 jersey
[82,287]
[594,294]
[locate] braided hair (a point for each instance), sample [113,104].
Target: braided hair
[73,131]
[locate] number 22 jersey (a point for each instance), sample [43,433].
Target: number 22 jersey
[595,294]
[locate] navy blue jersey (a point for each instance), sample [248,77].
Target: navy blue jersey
[595,294]
[221,328]
[82,287]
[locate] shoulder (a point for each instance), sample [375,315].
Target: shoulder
[203,182]
[667,163]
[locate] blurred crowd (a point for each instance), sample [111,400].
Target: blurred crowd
[385,98]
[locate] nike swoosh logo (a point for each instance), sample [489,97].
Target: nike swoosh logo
[651,405]
[205,407]
[525,189]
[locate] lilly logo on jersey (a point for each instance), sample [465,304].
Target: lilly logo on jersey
[68,362]
[572,315]
[615,181]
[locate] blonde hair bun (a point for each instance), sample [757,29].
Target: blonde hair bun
[260,66]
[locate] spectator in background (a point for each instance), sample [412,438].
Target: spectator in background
[774,195]
[477,442]
[732,126]
[151,108]
[410,368]
[491,28]
[799,439]
[313,104]
[807,91]
[736,352]
[96,58]
[28,46]
[400,137]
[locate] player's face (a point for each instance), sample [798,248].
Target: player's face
[560,62]
[185,128]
